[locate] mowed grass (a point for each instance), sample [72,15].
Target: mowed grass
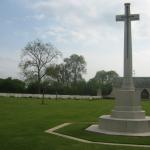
[78,130]
[23,122]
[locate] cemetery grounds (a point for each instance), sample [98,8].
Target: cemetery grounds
[23,122]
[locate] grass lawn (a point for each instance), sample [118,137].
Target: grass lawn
[23,122]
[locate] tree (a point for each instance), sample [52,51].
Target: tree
[36,57]
[110,76]
[32,88]
[101,77]
[70,71]
[74,66]
[103,81]
[92,87]
[10,85]
[67,76]
[56,72]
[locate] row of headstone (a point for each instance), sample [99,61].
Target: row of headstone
[49,96]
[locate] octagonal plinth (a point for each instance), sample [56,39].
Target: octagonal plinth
[117,126]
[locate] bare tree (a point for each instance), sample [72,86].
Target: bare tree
[36,56]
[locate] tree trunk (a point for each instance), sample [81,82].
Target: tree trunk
[43,98]
[39,87]
[39,82]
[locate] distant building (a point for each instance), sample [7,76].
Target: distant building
[142,84]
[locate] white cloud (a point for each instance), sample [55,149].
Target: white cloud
[8,67]
[88,27]
[38,17]
[91,28]
[141,63]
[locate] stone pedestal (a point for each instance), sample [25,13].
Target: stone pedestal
[127,118]
[127,105]
[130,126]
[117,126]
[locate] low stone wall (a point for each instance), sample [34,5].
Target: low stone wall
[49,96]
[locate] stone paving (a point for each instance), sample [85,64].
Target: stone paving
[53,132]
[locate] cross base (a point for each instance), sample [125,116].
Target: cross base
[126,127]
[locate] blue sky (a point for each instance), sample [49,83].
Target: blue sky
[84,27]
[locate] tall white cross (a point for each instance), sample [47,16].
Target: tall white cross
[127,18]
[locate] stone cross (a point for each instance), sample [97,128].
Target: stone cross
[127,117]
[127,18]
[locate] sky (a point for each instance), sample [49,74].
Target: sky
[83,27]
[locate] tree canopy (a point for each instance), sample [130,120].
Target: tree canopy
[103,81]
[70,71]
[43,74]
[36,57]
